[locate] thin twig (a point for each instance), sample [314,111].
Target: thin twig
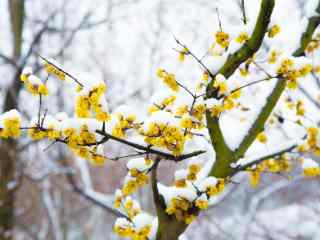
[66,73]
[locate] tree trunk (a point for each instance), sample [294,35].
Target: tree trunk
[8,148]
[7,177]
[169,228]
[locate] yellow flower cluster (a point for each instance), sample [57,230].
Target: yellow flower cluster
[222,39]
[138,169]
[198,112]
[91,155]
[33,84]
[82,107]
[83,137]
[124,231]
[220,83]
[242,38]
[202,202]
[193,170]
[182,54]
[36,133]
[166,136]
[216,110]
[126,227]
[244,70]
[138,175]
[291,74]
[118,198]
[76,139]
[137,179]
[273,56]
[282,164]
[11,123]
[311,172]
[262,137]
[186,199]
[205,77]
[189,195]
[273,31]
[229,101]
[51,69]
[213,190]
[166,102]
[254,178]
[188,123]
[169,79]
[312,143]
[310,167]
[128,231]
[220,44]
[94,101]
[227,104]
[131,207]
[189,174]
[142,234]
[124,123]
[181,110]
[181,183]
[181,209]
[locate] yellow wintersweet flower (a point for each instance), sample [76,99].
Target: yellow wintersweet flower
[311,172]
[205,77]
[273,57]
[216,189]
[254,178]
[36,134]
[222,38]
[216,110]
[142,234]
[262,137]
[274,30]
[242,38]
[43,90]
[124,231]
[51,69]
[202,204]
[11,127]
[169,79]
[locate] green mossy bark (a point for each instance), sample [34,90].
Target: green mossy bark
[224,156]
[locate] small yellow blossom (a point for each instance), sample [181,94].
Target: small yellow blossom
[222,39]
[169,79]
[273,31]
[262,137]
[51,69]
[242,38]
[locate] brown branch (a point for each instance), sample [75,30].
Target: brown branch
[149,149]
